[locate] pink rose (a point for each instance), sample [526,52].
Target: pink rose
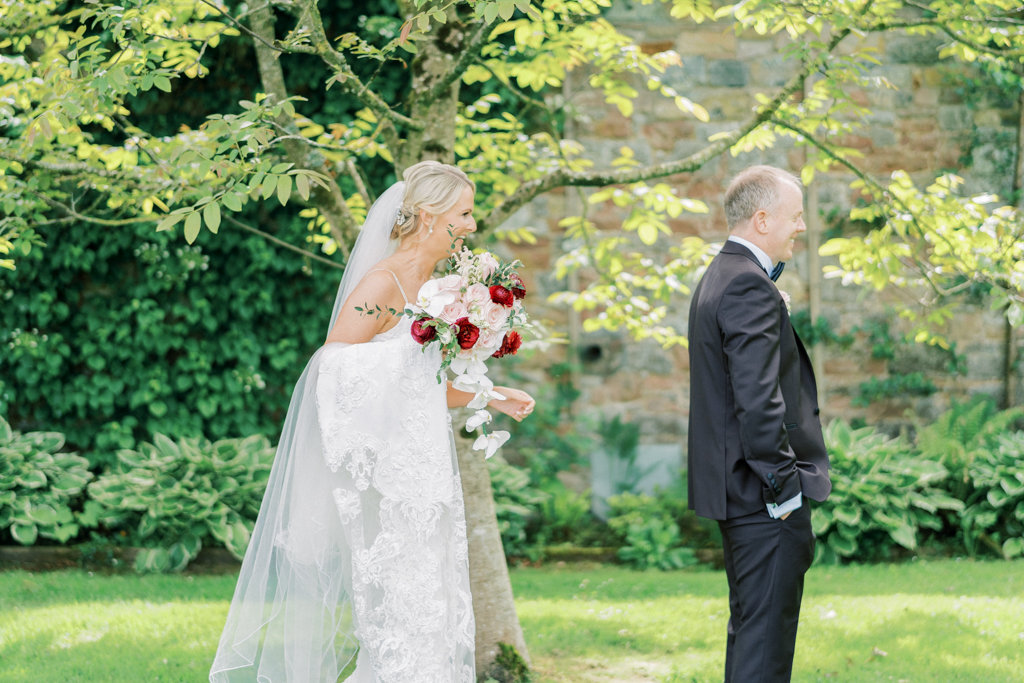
[501,295]
[453,311]
[467,333]
[491,338]
[487,263]
[495,315]
[476,295]
[509,345]
[422,333]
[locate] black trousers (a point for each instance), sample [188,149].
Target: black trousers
[765,562]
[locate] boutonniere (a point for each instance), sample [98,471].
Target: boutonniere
[786,300]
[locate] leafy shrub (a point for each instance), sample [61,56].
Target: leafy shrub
[112,336]
[565,518]
[39,486]
[650,535]
[516,505]
[173,497]
[995,508]
[882,495]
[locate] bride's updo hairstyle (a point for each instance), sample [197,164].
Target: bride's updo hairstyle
[429,186]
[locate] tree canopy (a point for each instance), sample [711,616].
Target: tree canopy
[480,85]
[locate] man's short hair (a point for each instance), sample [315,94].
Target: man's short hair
[753,189]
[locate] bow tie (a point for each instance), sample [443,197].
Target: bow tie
[777,270]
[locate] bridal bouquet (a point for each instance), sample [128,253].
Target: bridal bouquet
[472,313]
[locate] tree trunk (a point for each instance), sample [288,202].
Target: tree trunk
[328,201]
[437,111]
[493,603]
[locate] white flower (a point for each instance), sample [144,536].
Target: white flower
[467,364]
[483,397]
[438,293]
[786,300]
[490,443]
[478,419]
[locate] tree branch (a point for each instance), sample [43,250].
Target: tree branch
[344,76]
[281,243]
[879,189]
[246,30]
[329,201]
[468,53]
[562,177]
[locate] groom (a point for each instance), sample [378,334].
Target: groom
[756,452]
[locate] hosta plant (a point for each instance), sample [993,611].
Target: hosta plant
[39,486]
[882,496]
[650,535]
[994,517]
[174,497]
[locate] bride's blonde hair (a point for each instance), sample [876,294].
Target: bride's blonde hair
[429,186]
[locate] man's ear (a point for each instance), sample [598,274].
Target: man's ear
[761,221]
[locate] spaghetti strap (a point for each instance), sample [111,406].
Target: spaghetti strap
[397,282]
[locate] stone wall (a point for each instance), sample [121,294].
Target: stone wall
[925,124]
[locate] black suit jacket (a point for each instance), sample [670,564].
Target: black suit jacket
[754,435]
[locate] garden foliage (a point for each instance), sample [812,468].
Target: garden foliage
[174,497]
[955,488]
[117,335]
[39,486]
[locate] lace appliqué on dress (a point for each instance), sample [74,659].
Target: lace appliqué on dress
[386,439]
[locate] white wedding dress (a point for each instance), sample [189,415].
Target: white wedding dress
[360,544]
[386,433]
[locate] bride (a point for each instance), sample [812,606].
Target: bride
[357,568]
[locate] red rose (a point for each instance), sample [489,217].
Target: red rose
[501,295]
[518,289]
[422,333]
[509,345]
[467,333]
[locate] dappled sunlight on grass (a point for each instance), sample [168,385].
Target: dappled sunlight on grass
[942,621]
[923,621]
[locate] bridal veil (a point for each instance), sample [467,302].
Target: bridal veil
[291,614]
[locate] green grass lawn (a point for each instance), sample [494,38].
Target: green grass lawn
[934,621]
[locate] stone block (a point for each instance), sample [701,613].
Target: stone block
[772,71]
[663,135]
[688,75]
[923,50]
[711,44]
[755,47]
[955,117]
[729,73]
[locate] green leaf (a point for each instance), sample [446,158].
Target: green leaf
[162,82]
[211,216]
[25,534]
[232,200]
[905,536]
[33,479]
[302,185]
[169,221]
[843,547]
[284,189]
[192,225]
[44,514]
[506,8]
[1013,547]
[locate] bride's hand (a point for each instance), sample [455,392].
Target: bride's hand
[516,404]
